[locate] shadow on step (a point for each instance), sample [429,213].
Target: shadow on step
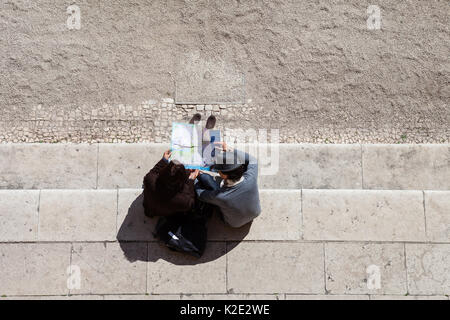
[137,227]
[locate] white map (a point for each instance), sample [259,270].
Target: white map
[188,145]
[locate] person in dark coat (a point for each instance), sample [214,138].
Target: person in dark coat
[169,188]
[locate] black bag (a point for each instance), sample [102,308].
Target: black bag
[185,232]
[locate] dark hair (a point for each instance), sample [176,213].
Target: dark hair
[171,180]
[236,174]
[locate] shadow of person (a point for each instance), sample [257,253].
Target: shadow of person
[137,228]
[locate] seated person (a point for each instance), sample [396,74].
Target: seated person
[169,188]
[236,196]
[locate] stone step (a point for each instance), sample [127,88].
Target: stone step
[55,215]
[283,166]
[313,268]
[225,296]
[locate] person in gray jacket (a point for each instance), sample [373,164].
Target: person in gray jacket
[236,195]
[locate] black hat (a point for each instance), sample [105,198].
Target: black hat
[229,161]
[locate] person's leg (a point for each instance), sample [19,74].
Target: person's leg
[210,122]
[208,140]
[196,118]
[207,182]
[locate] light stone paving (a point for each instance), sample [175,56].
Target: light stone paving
[363,215]
[349,266]
[18,215]
[350,215]
[316,166]
[104,268]
[326,297]
[48,166]
[226,297]
[233,297]
[294,266]
[132,223]
[321,236]
[34,269]
[248,268]
[107,166]
[173,272]
[280,219]
[142,297]
[196,297]
[408,297]
[125,165]
[406,166]
[276,268]
[77,215]
[52,297]
[437,204]
[428,268]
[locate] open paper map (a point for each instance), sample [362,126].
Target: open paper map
[193,146]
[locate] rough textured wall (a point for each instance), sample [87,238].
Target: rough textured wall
[309,64]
